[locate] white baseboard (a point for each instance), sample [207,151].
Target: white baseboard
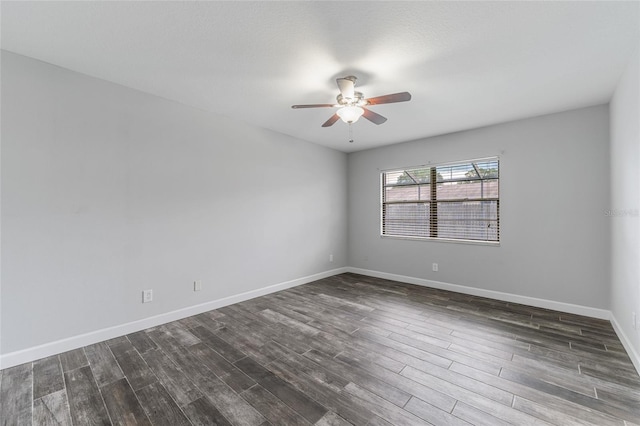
[491,294]
[37,352]
[631,351]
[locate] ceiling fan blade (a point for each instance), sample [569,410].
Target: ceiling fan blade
[373,116]
[346,86]
[331,120]
[313,106]
[389,99]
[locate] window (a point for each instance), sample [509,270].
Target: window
[455,201]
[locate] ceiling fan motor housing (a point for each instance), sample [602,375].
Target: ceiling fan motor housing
[357,100]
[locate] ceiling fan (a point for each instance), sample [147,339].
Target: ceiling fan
[353,104]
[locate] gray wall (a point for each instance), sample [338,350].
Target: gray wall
[625,203]
[554,189]
[107,191]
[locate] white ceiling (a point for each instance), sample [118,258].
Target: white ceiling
[467,64]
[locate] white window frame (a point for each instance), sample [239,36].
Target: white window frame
[497,199]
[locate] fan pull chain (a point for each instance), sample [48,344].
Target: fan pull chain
[350,132]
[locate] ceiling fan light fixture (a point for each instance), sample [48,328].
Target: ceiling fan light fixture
[350,114]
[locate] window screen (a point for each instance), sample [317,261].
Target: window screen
[458,201]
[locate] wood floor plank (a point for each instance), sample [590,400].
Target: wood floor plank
[16,394]
[253,333]
[361,378]
[432,396]
[238,313]
[141,341]
[491,367]
[52,409]
[163,338]
[85,401]
[330,379]
[103,365]
[625,401]
[473,416]
[327,316]
[383,408]
[276,331]
[47,376]
[276,411]
[460,380]
[487,339]
[118,341]
[377,421]
[180,333]
[73,359]
[122,405]
[431,414]
[249,346]
[210,320]
[345,304]
[160,407]
[234,378]
[132,365]
[567,378]
[190,322]
[553,357]
[371,357]
[172,378]
[346,406]
[551,402]
[399,351]
[202,412]
[285,310]
[232,406]
[545,412]
[225,349]
[612,374]
[305,406]
[277,318]
[474,399]
[305,296]
[469,357]
[415,320]
[330,329]
[627,413]
[332,419]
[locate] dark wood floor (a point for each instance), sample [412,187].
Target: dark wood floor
[344,350]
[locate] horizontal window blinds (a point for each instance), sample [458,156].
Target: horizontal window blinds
[459,201]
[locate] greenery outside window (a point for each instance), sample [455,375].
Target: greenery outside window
[453,201]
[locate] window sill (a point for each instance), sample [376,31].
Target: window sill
[444,240]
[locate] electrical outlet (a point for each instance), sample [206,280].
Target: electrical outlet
[197,285]
[434,266]
[147,296]
[330,258]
